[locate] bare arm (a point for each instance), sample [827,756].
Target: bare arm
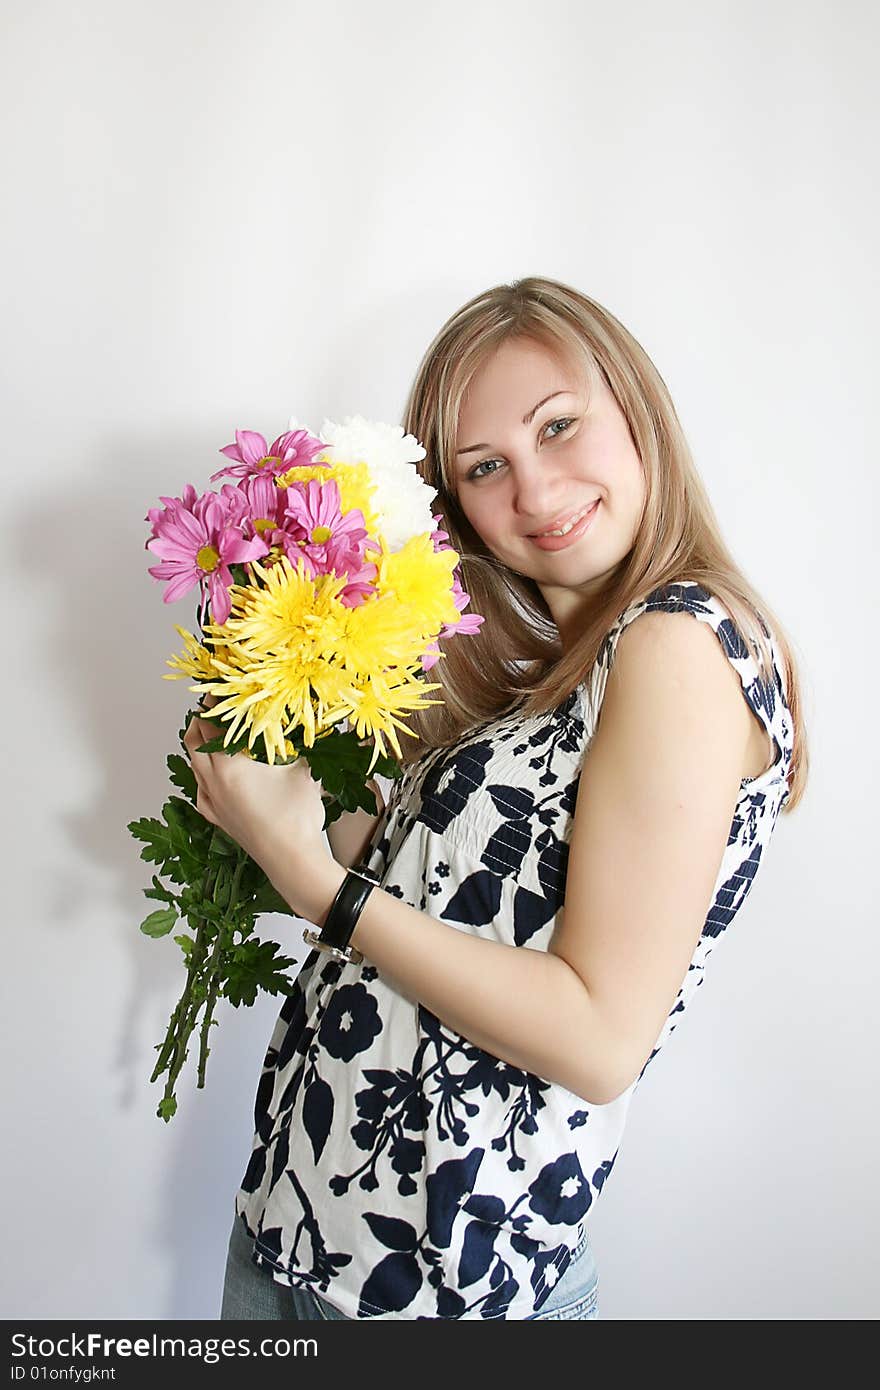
[350,835]
[653,814]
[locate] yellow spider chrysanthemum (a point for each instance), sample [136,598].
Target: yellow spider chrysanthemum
[380,633]
[197,660]
[286,612]
[378,701]
[290,754]
[293,694]
[283,664]
[419,577]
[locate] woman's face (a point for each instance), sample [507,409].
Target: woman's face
[528,465]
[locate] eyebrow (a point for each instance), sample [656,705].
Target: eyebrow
[527,420]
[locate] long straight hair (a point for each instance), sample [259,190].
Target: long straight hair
[516,659]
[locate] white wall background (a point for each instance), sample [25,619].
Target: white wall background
[218,213]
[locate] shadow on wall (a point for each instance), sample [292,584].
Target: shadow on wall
[110,666]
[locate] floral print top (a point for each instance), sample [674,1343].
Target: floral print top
[398,1170]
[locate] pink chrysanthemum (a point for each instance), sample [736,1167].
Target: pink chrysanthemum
[329,539]
[468,623]
[197,539]
[361,583]
[323,534]
[265,506]
[253,455]
[158,514]
[439,536]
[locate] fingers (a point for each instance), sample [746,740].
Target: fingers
[199,731]
[210,729]
[192,738]
[204,806]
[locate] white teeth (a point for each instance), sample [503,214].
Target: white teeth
[568,525]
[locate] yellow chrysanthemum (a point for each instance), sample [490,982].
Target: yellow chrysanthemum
[297,694]
[290,753]
[378,701]
[379,633]
[292,656]
[353,480]
[287,612]
[283,664]
[196,660]
[420,578]
[272,697]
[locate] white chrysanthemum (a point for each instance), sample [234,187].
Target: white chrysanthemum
[401,497]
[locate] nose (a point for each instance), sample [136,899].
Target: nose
[538,493]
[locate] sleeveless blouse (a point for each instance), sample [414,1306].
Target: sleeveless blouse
[398,1170]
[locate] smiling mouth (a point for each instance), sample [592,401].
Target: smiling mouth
[564,530]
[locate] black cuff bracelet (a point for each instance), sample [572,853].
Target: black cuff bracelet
[342,918]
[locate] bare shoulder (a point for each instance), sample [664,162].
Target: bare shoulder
[668,662]
[678,638]
[661,780]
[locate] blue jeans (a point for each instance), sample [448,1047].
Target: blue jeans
[250,1292]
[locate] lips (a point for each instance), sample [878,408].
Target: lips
[567,519]
[569,530]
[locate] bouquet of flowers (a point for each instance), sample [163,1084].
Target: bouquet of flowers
[326,587]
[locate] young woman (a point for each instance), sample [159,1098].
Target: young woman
[577,824]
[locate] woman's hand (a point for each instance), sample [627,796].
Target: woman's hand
[271,812]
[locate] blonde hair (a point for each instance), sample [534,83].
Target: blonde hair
[516,658]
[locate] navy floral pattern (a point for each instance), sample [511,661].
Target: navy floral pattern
[396,1168]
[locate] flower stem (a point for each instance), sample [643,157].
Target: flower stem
[213,975]
[177,1016]
[174,1050]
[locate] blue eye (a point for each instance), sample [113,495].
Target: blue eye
[475,472]
[566,421]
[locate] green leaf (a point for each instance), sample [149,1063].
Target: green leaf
[353,795]
[337,757]
[182,775]
[159,923]
[216,744]
[386,765]
[186,944]
[254,966]
[190,835]
[222,884]
[167,1108]
[268,899]
[177,825]
[221,843]
[333,809]
[205,911]
[158,844]
[184,813]
[340,761]
[157,891]
[172,870]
